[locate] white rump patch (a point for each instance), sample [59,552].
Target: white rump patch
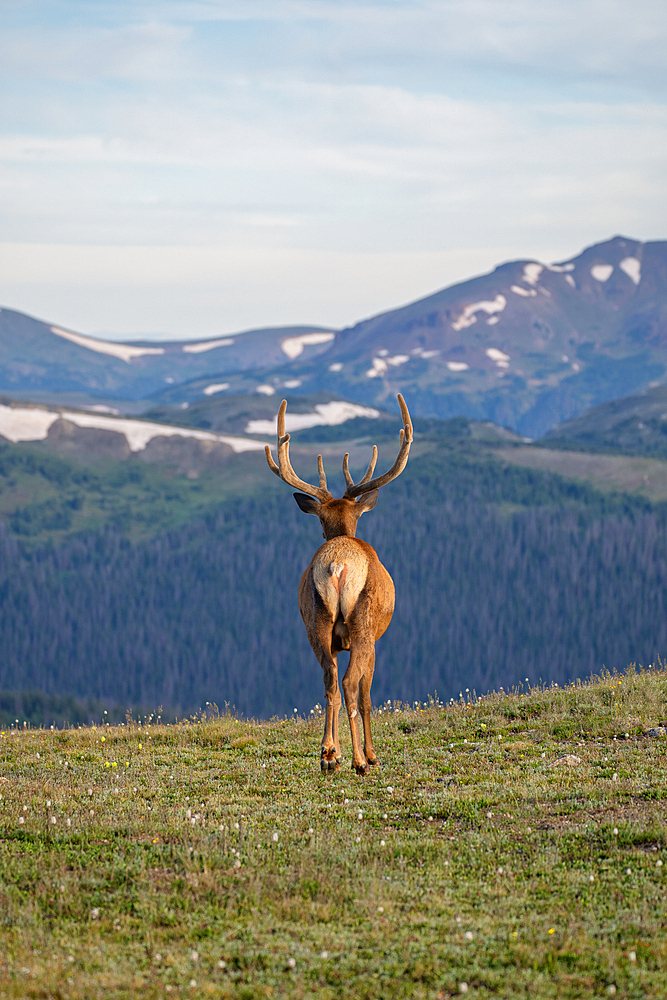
[523,291]
[602,272]
[207,345]
[32,424]
[457,366]
[340,554]
[326,414]
[293,346]
[532,272]
[632,268]
[123,351]
[211,390]
[265,390]
[467,317]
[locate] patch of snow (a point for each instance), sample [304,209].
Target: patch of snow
[19,424]
[457,366]
[496,355]
[265,390]
[492,320]
[523,291]
[211,390]
[123,351]
[383,353]
[632,268]
[575,367]
[561,267]
[564,357]
[502,364]
[531,273]
[398,359]
[326,414]
[417,350]
[207,345]
[429,354]
[169,380]
[293,346]
[184,406]
[292,383]
[467,317]
[602,272]
[379,368]
[99,408]
[570,280]
[337,367]
[27,424]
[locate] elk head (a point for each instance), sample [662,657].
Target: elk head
[339,517]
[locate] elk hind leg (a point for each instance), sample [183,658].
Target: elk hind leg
[330,757]
[361,653]
[365,707]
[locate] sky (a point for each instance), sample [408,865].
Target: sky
[185,169]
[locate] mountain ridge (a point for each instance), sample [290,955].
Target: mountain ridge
[527,345]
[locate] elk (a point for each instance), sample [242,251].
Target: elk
[346,596]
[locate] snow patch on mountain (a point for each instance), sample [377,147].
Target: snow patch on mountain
[501,359]
[602,272]
[326,414]
[32,424]
[632,268]
[207,345]
[293,346]
[265,390]
[532,272]
[570,280]
[211,390]
[123,351]
[457,366]
[468,317]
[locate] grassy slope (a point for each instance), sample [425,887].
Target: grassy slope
[476,859]
[616,473]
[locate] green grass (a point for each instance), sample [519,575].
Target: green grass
[212,858]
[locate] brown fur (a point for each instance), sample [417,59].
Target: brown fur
[332,624]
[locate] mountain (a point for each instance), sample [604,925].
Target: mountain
[38,357]
[527,346]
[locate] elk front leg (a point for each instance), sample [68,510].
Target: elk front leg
[360,658]
[365,706]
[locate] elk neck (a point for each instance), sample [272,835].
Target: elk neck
[339,517]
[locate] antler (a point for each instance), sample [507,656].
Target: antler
[284,468]
[367,484]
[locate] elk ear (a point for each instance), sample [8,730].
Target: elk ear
[309,505]
[367,501]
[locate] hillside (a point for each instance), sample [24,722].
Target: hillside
[634,425]
[527,346]
[554,576]
[508,846]
[41,357]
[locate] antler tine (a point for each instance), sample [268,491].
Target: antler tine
[349,481]
[322,473]
[405,438]
[284,468]
[371,466]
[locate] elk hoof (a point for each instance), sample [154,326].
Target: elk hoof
[361,769]
[328,761]
[373,761]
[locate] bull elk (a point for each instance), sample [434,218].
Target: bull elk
[346,596]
